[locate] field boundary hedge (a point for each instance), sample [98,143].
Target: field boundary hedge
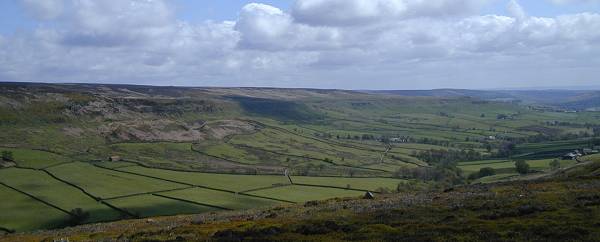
[10,231]
[192,202]
[37,199]
[266,188]
[143,175]
[191,185]
[333,143]
[217,157]
[73,185]
[334,187]
[57,164]
[225,173]
[146,193]
[98,199]
[121,210]
[189,171]
[310,158]
[269,198]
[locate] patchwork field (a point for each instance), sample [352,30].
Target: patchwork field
[64,196]
[224,200]
[35,158]
[107,183]
[23,213]
[235,183]
[368,184]
[505,166]
[296,193]
[152,206]
[196,150]
[98,189]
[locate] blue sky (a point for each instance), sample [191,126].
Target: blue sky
[348,44]
[14,18]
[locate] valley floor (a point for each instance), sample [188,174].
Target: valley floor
[564,207]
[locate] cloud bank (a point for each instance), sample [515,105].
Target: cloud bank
[362,44]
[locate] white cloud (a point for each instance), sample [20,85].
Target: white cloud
[343,44]
[515,9]
[360,12]
[268,28]
[45,9]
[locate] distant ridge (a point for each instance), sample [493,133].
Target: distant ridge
[568,99]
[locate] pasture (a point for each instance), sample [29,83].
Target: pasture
[302,194]
[234,183]
[110,191]
[506,166]
[220,199]
[64,196]
[367,184]
[36,158]
[152,205]
[107,183]
[23,213]
[194,151]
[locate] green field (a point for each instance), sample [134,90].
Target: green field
[369,184]
[151,206]
[235,183]
[36,159]
[106,183]
[221,199]
[221,148]
[509,166]
[24,214]
[303,193]
[43,186]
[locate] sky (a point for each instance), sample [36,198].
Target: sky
[341,44]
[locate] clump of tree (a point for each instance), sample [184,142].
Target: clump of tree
[409,186]
[435,156]
[441,173]
[506,149]
[483,172]
[77,216]
[555,164]
[7,155]
[522,167]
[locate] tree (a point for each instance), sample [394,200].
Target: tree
[78,216]
[7,155]
[486,171]
[555,164]
[507,149]
[522,167]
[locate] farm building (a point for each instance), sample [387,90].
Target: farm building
[399,140]
[571,156]
[6,164]
[114,158]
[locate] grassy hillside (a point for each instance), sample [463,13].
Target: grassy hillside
[194,150]
[562,207]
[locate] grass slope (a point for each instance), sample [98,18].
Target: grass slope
[106,183]
[301,194]
[44,187]
[23,213]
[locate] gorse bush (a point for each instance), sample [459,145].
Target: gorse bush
[522,167]
[7,155]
